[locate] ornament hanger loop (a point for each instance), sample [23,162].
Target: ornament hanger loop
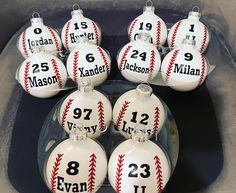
[144,37]
[78,133]
[85,85]
[196,9]
[139,134]
[75,7]
[144,90]
[86,81]
[82,38]
[104,129]
[37,49]
[149,3]
[35,15]
[189,40]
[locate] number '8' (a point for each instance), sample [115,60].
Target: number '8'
[72,168]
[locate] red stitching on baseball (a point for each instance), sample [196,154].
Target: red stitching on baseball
[132,27]
[152,64]
[124,57]
[75,66]
[204,40]
[119,169]
[203,69]
[122,113]
[65,112]
[24,44]
[67,36]
[92,173]
[54,38]
[170,66]
[57,73]
[158,35]
[26,74]
[101,116]
[96,33]
[156,121]
[172,44]
[104,59]
[158,174]
[55,172]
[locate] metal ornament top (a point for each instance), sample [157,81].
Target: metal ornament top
[149,8]
[195,13]
[144,90]
[78,133]
[76,10]
[36,19]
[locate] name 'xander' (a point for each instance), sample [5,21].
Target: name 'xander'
[92,71]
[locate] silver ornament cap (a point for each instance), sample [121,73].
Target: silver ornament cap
[144,90]
[36,19]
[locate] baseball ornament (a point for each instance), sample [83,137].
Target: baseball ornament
[38,35]
[139,106]
[138,166]
[149,22]
[139,61]
[190,26]
[42,75]
[88,107]
[184,68]
[77,164]
[77,27]
[88,60]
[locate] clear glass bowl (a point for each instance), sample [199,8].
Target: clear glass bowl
[52,133]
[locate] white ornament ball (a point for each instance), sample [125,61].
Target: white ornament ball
[139,61]
[190,26]
[79,26]
[149,22]
[42,75]
[138,167]
[76,166]
[87,107]
[38,35]
[139,106]
[88,60]
[184,68]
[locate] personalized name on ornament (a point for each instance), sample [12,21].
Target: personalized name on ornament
[137,35]
[135,68]
[186,69]
[129,130]
[39,42]
[74,37]
[70,187]
[91,72]
[90,129]
[38,82]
